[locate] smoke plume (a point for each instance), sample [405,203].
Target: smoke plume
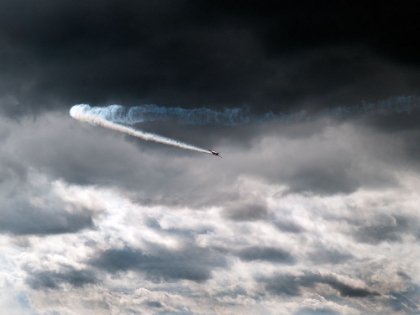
[243,115]
[116,116]
[85,113]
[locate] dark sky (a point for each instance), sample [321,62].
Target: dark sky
[314,214]
[269,54]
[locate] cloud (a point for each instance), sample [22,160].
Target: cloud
[154,304]
[316,311]
[283,284]
[20,218]
[55,279]
[246,211]
[271,254]
[323,181]
[403,300]
[161,247]
[31,206]
[195,54]
[156,174]
[287,225]
[161,264]
[329,255]
[291,284]
[387,228]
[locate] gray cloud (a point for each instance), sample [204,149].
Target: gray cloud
[246,211]
[271,254]
[154,304]
[410,150]
[290,285]
[29,206]
[155,174]
[387,228]
[329,180]
[20,218]
[327,255]
[287,225]
[186,233]
[404,301]
[283,284]
[395,123]
[234,292]
[191,263]
[316,311]
[54,279]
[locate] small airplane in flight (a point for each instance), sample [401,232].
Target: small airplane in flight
[215,153]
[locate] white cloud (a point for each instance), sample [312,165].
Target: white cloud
[133,255]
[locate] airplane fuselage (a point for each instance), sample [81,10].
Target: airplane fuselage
[215,153]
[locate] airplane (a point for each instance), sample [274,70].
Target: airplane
[215,153]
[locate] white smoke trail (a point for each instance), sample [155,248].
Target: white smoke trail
[114,115]
[83,113]
[243,115]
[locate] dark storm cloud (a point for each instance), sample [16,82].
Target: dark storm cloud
[290,285]
[54,279]
[263,253]
[394,123]
[191,263]
[194,53]
[297,24]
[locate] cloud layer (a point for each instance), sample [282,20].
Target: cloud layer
[258,234]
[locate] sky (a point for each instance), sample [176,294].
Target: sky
[313,209]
